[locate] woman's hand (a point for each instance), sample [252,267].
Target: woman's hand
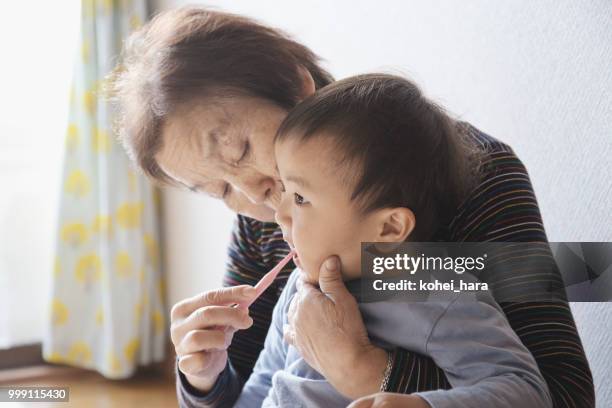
[327,329]
[202,328]
[390,400]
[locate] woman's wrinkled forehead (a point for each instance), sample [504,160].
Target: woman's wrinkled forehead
[218,139]
[195,136]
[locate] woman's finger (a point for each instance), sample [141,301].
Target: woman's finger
[204,340]
[389,400]
[330,279]
[197,363]
[218,297]
[210,317]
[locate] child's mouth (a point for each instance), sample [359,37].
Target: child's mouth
[296,260]
[296,257]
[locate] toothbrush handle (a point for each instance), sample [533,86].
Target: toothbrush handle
[268,278]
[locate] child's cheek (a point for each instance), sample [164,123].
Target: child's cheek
[309,248]
[311,278]
[310,270]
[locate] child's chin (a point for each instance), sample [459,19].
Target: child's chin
[312,280]
[296,260]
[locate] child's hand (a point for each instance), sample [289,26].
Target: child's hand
[327,329]
[202,328]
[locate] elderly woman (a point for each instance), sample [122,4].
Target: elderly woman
[201,95]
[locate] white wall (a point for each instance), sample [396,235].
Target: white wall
[536,74]
[196,234]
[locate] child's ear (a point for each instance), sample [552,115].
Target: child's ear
[396,224]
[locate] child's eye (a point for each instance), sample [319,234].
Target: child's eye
[299,200]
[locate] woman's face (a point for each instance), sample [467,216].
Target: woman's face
[224,147]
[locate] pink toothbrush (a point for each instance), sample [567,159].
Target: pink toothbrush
[268,278]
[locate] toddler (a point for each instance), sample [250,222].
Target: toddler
[369,159]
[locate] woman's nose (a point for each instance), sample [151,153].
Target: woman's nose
[257,191]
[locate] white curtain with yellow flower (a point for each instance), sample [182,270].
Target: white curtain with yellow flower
[107,294]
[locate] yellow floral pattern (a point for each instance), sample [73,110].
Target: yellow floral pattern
[57,268]
[100,317]
[74,233]
[102,224]
[113,363]
[72,137]
[130,350]
[159,322]
[89,101]
[123,264]
[60,313]
[79,353]
[107,309]
[101,141]
[55,357]
[77,183]
[129,215]
[152,250]
[88,268]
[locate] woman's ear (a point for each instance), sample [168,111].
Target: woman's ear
[395,224]
[308,85]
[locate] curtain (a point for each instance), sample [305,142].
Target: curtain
[107,311]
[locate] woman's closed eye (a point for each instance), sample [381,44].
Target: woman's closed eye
[245,153]
[226,191]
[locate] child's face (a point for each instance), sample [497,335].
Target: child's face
[316,214]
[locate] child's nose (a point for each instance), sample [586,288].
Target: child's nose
[282,214]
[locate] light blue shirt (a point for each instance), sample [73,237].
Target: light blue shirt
[468,337]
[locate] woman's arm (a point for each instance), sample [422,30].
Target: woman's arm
[412,372]
[504,209]
[255,247]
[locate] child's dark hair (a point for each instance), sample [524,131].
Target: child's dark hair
[397,148]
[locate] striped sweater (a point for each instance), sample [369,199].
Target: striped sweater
[502,208]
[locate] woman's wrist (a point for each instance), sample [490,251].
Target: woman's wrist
[367,372]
